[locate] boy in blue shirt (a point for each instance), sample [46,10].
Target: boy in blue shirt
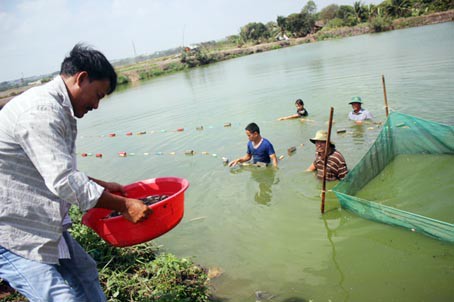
[258,148]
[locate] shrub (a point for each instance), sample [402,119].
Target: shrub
[336,22]
[122,79]
[176,279]
[136,274]
[379,24]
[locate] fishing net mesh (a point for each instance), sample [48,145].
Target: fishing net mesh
[401,134]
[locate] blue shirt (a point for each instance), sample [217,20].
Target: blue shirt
[262,153]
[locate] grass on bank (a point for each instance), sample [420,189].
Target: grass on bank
[139,273]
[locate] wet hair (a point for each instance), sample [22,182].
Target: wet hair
[299,102]
[252,127]
[84,58]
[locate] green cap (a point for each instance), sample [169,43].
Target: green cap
[356,99]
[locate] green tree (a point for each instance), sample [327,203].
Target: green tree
[329,12]
[310,8]
[300,24]
[281,22]
[254,32]
[436,5]
[361,11]
[398,8]
[347,14]
[375,11]
[273,28]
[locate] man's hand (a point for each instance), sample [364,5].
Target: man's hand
[136,210]
[234,162]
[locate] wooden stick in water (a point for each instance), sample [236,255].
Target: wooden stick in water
[384,92]
[325,161]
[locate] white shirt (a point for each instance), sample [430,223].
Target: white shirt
[362,115]
[38,175]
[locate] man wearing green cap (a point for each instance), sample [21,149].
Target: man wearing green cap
[336,167]
[358,114]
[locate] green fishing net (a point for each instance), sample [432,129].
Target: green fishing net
[406,178]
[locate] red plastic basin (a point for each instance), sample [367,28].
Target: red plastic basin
[167,213]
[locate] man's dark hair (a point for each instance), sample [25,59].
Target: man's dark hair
[299,102]
[252,127]
[84,58]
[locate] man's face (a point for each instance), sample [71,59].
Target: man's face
[299,106]
[320,147]
[88,95]
[251,135]
[356,106]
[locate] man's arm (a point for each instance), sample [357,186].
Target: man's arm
[296,115]
[41,133]
[110,186]
[274,159]
[240,160]
[311,168]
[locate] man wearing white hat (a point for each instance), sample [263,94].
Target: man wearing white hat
[358,114]
[336,168]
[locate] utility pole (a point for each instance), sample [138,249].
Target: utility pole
[134,48]
[184,25]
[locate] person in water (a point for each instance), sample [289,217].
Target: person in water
[336,165]
[259,149]
[300,111]
[358,114]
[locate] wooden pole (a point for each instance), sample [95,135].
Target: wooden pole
[325,161]
[384,93]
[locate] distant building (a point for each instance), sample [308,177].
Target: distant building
[34,83]
[281,37]
[191,48]
[318,25]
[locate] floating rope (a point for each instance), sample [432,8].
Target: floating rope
[190,152]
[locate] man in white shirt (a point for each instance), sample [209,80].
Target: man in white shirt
[39,181]
[358,114]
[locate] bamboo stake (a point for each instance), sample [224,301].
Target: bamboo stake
[325,162]
[384,93]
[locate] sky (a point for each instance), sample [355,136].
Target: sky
[36,35]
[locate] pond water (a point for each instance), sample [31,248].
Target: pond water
[408,183]
[262,227]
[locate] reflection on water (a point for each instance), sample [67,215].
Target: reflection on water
[265,177]
[265,181]
[358,134]
[339,220]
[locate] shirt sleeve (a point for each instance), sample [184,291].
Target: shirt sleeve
[341,167]
[249,149]
[270,148]
[41,132]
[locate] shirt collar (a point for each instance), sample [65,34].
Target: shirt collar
[359,112]
[62,95]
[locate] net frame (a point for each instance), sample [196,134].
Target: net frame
[401,134]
